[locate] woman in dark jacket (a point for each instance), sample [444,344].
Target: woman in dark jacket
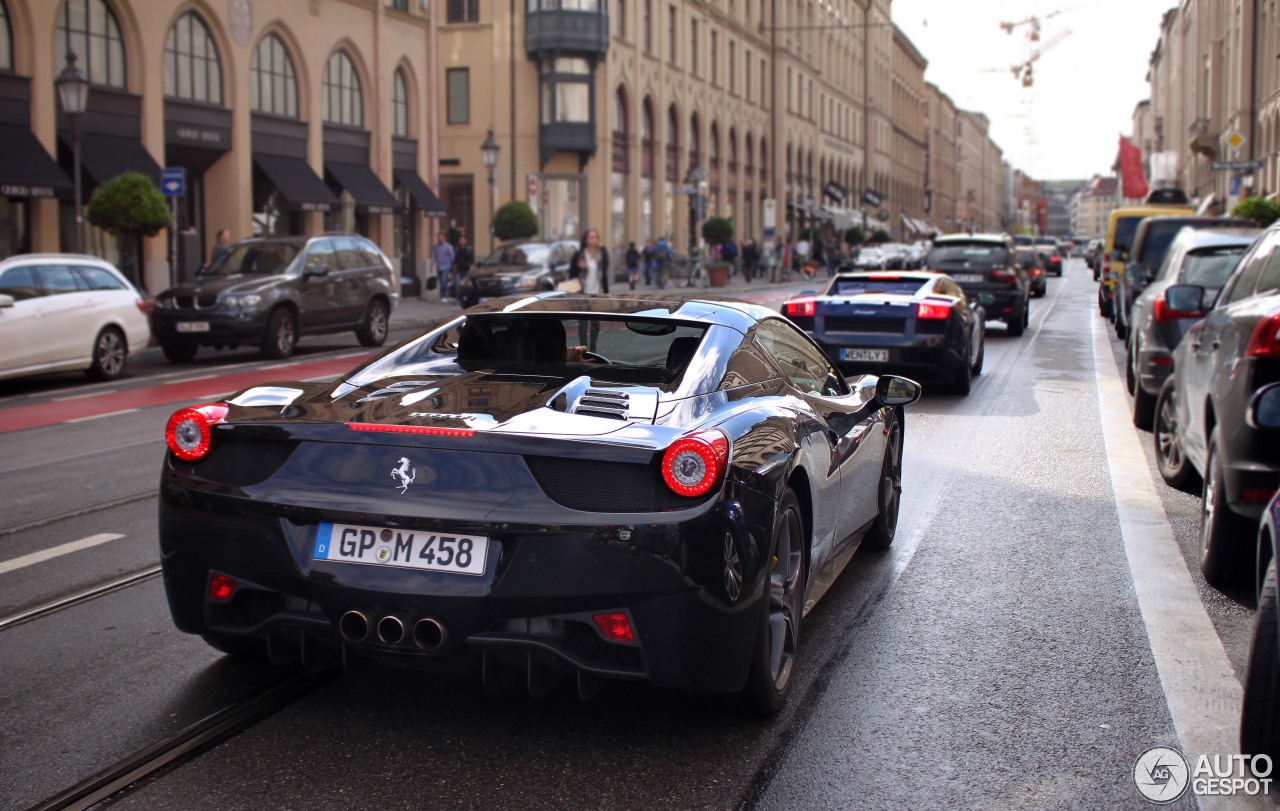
[633,264]
[590,266]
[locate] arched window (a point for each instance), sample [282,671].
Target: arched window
[749,155]
[618,123]
[343,100]
[647,160]
[673,145]
[764,161]
[713,148]
[621,167]
[6,39]
[273,83]
[89,29]
[695,145]
[192,69]
[733,151]
[400,105]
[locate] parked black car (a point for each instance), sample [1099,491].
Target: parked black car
[1201,424]
[1204,258]
[912,322]
[1260,712]
[661,504]
[271,290]
[1050,259]
[1032,263]
[986,265]
[519,266]
[1150,247]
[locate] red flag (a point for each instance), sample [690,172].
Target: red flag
[1133,184]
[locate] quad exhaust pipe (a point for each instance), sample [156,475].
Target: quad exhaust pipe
[391,630]
[354,626]
[428,633]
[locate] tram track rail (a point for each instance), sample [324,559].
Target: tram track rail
[77,512]
[76,598]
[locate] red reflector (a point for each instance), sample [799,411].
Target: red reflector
[429,430]
[1007,310]
[615,627]
[1257,495]
[933,310]
[806,307]
[1161,361]
[189,431]
[1162,312]
[1034,271]
[1265,341]
[695,462]
[221,588]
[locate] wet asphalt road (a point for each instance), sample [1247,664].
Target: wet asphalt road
[995,657]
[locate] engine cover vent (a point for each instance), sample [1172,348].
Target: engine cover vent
[608,403]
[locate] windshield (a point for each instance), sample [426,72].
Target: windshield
[1027,260]
[1211,267]
[857,287]
[1125,229]
[517,255]
[969,254]
[259,258]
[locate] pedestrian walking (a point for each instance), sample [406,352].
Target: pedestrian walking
[633,264]
[222,244]
[443,255]
[663,257]
[729,253]
[590,266]
[750,258]
[463,260]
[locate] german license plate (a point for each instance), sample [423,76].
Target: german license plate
[405,549]
[193,326]
[869,355]
[967,277]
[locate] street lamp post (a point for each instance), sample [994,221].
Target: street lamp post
[489,151]
[73,92]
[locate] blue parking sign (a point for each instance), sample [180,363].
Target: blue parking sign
[173,182]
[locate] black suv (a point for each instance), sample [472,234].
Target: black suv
[269,291]
[986,268]
[519,266]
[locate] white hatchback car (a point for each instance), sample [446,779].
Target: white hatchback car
[64,311]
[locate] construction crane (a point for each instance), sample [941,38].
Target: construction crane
[1023,71]
[1034,22]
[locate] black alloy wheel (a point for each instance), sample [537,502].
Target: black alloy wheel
[777,643]
[109,354]
[889,497]
[1144,404]
[1017,323]
[1225,537]
[376,324]
[1175,468]
[282,335]
[180,353]
[1260,712]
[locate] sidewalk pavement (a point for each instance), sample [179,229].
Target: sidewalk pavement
[414,312]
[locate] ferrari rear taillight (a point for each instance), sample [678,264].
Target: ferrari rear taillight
[695,462]
[189,432]
[803,307]
[615,626]
[933,310]
[1163,313]
[1265,340]
[221,588]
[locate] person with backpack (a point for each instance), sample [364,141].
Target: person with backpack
[633,264]
[729,253]
[662,252]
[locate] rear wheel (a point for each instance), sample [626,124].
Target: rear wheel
[1017,324]
[1224,536]
[1260,713]
[982,354]
[376,324]
[1175,468]
[281,337]
[962,382]
[180,353]
[889,497]
[109,354]
[778,639]
[1144,404]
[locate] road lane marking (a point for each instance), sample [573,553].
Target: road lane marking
[188,380]
[71,397]
[108,414]
[1200,686]
[57,551]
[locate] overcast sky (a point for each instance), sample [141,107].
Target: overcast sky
[1068,123]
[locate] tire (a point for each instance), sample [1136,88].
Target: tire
[1226,548]
[962,381]
[1144,404]
[1018,325]
[376,324]
[281,337]
[1130,377]
[180,353]
[774,656]
[982,354]
[110,351]
[889,497]
[1175,467]
[1260,712]
[1104,306]
[248,648]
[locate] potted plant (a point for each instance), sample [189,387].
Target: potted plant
[130,206]
[515,220]
[1259,209]
[717,231]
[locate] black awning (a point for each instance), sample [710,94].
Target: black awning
[361,183]
[106,157]
[420,193]
[297,183]
[26,169]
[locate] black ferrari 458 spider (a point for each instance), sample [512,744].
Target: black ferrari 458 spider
[600,488]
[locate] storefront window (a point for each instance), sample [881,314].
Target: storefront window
[192,69]
[343,99]
[618,210]
[6,39]
[646,208]
[13,227]
[273,86]
[89,29]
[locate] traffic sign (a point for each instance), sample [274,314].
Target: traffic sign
[1236,166]
[1235,139]
[686,190]
[173,182]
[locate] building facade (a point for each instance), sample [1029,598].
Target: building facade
[940,186]
[909,150]
[1092,206]
[287,117]
[980,174]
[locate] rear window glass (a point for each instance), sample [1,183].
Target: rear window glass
[1212,266]
[968,254]
[1126,227]
[518,256]
[857,287]
[265,258]
[1159,238]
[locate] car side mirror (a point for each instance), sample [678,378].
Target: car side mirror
[892,391]
[1264,408]
[1185,298]
[5,301]
[315,269]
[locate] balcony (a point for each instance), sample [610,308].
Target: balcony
[566,136]
[1203,140]
[576,27]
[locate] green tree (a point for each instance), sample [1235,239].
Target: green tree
[515,220]
[880,236]
[1259,209]
[130,206]
[854,235]
[717,230]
